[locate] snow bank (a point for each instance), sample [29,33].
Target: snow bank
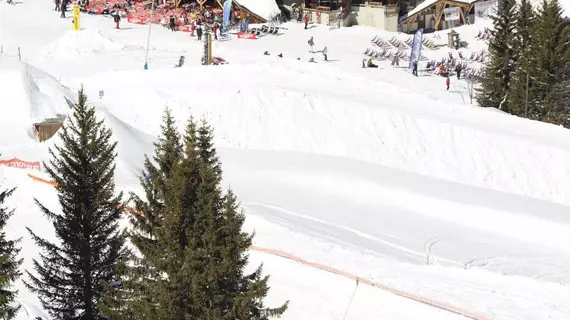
[379,123]
[28,95]
[85,42]
[263,8]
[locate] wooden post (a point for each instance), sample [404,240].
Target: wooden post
[462,15]
[209,35]
[201,3]
[19,54]
[439,13]
[220,4]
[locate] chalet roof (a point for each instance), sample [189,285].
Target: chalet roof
[429,3]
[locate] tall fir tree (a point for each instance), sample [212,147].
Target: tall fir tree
[201,256]
[72,272]
[526,64]
[9,263]
[553,54]
[138,277]
[499,70]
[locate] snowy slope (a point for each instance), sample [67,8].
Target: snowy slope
[366,170]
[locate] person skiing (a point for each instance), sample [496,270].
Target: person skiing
[172,23]
[311,44]
[306,20]
[57,5]
[447,82]
[415,68]
[192,28]
[116,18]
[325,51]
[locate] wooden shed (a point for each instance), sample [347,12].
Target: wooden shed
[48,128]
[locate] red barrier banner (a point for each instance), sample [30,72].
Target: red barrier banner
[18,163]
[246,35]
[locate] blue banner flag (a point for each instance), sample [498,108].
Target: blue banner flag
[416,47]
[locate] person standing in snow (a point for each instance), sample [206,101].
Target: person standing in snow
[199,32]
[396,61]
[116,18]
[215,31]
[447,82]
[325,51]
[63,7]
[306,20]
[311,44]
[458,71]
[57,5]
[415,68]
[172,23]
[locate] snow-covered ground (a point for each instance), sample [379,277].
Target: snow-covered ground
[366,170]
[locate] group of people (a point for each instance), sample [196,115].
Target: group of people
[325,51]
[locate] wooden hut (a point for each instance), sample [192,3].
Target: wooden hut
[47,128]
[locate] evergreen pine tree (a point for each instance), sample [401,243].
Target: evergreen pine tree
[9,263]
[552,57]
[526,65]
[139,277]
[498,73]
[201,256]
[72,272]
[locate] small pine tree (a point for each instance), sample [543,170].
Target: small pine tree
[9,263]
[73,272]
[499,70]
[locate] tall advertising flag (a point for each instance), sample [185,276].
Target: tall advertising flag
[227,14]
[416,47]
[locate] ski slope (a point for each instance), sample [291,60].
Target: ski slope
[369,171]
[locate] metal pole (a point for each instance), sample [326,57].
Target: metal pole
[526,98]
[148,39]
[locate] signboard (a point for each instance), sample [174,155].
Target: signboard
[17,163]
[101,94]
[482,8]
[76,17]
[451,14]
[246,35]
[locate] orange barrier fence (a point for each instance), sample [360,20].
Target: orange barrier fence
[19,163]
[38,179]
[434,303]
[54,184]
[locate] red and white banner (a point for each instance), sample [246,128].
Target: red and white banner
[246,35]
[18,163]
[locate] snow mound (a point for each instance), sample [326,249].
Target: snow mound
[29,95]
[263,8]
[132,145]
[85,42]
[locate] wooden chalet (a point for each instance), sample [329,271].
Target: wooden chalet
[431,14]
